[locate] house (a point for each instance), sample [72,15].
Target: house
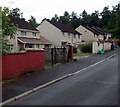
[90,34]
[59,34]
[26,36]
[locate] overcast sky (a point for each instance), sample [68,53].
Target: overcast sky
[41,9]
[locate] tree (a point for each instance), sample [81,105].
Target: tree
[16,13]
[94,19]
[117,30]
[75,20]
[85,18]
[65,19]
[55,18]
[105,14]
[33,22]
[8,29]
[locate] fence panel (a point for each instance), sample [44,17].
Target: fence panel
[57,55]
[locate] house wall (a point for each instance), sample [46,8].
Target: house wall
[77,39]
[50,32]
[14,42]
[55,35]
[66,38]
[24,62]
[100,37]
[87,35]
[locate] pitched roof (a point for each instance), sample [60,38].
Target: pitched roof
[21,23]
[102,30]
[96,30]
[42,40]
[64,28]
[92,30]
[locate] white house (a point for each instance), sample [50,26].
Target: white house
[26,36]
[90,34]
[59,34]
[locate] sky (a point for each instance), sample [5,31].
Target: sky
[41,9]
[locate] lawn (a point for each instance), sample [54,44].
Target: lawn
[81,54]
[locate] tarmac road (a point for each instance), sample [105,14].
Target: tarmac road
[97,85]
[39,78]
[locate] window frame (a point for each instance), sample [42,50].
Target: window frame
[33,34]
[23,33]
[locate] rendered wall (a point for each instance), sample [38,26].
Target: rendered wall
[96,46]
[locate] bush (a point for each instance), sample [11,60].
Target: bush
[74,50]
[86,48]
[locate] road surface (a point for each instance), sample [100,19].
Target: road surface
[98,85]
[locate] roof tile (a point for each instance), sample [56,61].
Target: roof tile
[21,23]
[64,28]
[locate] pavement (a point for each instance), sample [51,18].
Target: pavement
[42,77]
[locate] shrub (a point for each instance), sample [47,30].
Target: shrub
[86,48]
[74,50]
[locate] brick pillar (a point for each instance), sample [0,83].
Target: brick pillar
[71,52]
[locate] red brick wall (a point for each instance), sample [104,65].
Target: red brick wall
[14,65]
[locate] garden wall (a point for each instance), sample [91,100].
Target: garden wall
[17,64]
[96,46]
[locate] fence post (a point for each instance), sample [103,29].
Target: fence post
[52,59]
[64,55]
[71,52]
[55,56]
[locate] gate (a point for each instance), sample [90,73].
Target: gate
[57,55]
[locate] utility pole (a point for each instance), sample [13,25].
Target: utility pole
[10,5]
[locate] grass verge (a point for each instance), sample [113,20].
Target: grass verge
[82,54]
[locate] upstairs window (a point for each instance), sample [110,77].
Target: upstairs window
[78,36]
[62,33]
[68,34]
[33,34]
[23,33]
[74,36]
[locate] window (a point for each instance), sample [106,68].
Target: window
[28,46]
[62,33]
[68,34]
[33,34]
[23,33]
[78,36]
[74,36]
[63,44]
[37,46]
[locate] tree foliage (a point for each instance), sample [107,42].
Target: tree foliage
[8,29]
[117,29]
[107,19]
[16,13]
[33,22]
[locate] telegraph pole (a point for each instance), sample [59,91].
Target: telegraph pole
[10,5]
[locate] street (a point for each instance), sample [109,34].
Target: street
[97,85]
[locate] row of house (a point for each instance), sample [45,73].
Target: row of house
[90,34]
[50,34]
